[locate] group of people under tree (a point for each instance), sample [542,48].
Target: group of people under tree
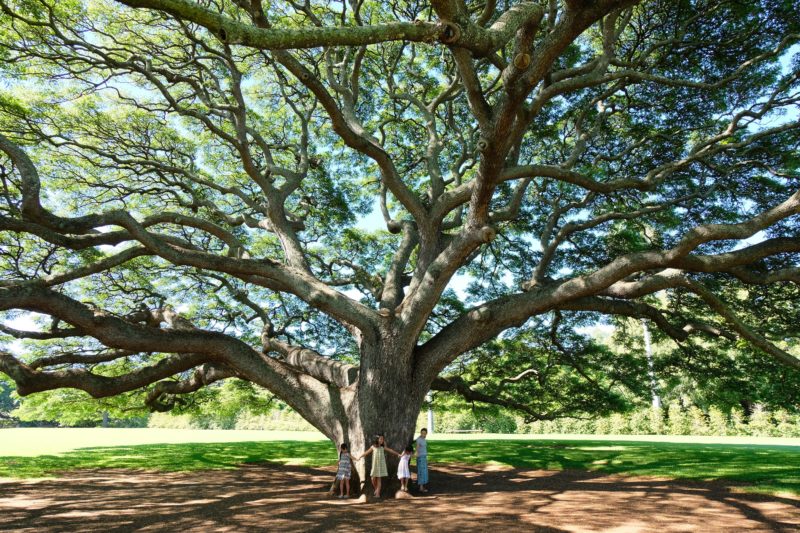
[379,470]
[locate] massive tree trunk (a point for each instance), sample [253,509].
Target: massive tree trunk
[384,400]
[220,181]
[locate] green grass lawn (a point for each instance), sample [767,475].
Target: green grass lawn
[766,468]
[768,465]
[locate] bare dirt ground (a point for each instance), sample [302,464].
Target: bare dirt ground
[463,498]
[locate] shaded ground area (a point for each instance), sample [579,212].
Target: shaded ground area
[464,498]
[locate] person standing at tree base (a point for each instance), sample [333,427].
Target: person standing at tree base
[422,460]
[343,471]
[403,472]
[378,471]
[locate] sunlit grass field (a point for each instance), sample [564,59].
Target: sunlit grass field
[765,465]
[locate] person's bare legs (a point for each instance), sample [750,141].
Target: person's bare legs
[376,482]
[346,483]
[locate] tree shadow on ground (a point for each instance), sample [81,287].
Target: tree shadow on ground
[597,488]
[770,467]
[464,498]
[775,468]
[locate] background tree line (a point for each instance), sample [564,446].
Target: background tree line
[703,392]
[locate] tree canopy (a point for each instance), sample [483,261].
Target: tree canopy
[347,202]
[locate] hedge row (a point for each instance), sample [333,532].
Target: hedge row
[673,420]
[278,419]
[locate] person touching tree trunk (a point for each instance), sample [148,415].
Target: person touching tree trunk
[378,470]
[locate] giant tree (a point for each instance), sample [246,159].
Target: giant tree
[185,187]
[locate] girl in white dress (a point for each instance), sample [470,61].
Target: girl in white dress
[403,472]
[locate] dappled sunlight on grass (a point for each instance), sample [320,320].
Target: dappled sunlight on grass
[172,457]
[768,468]
[48,441]
[773,467]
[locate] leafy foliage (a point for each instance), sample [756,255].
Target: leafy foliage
[537,168]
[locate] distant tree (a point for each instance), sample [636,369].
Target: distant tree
[7,403]
[215,406]
[184,184]
[729,374]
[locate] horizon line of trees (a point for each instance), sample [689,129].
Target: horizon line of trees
[733,392]
[230,410]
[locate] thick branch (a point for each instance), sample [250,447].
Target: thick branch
[80,358]
[162,396]
[741,327]
[392,292]
[312,363]
[203,346]
[491,318]
[231,31]
[42,335]
[266,273]
[30,380]
[191,347]
[462,388]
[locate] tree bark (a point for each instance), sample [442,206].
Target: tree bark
[384,401]
[496,184]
